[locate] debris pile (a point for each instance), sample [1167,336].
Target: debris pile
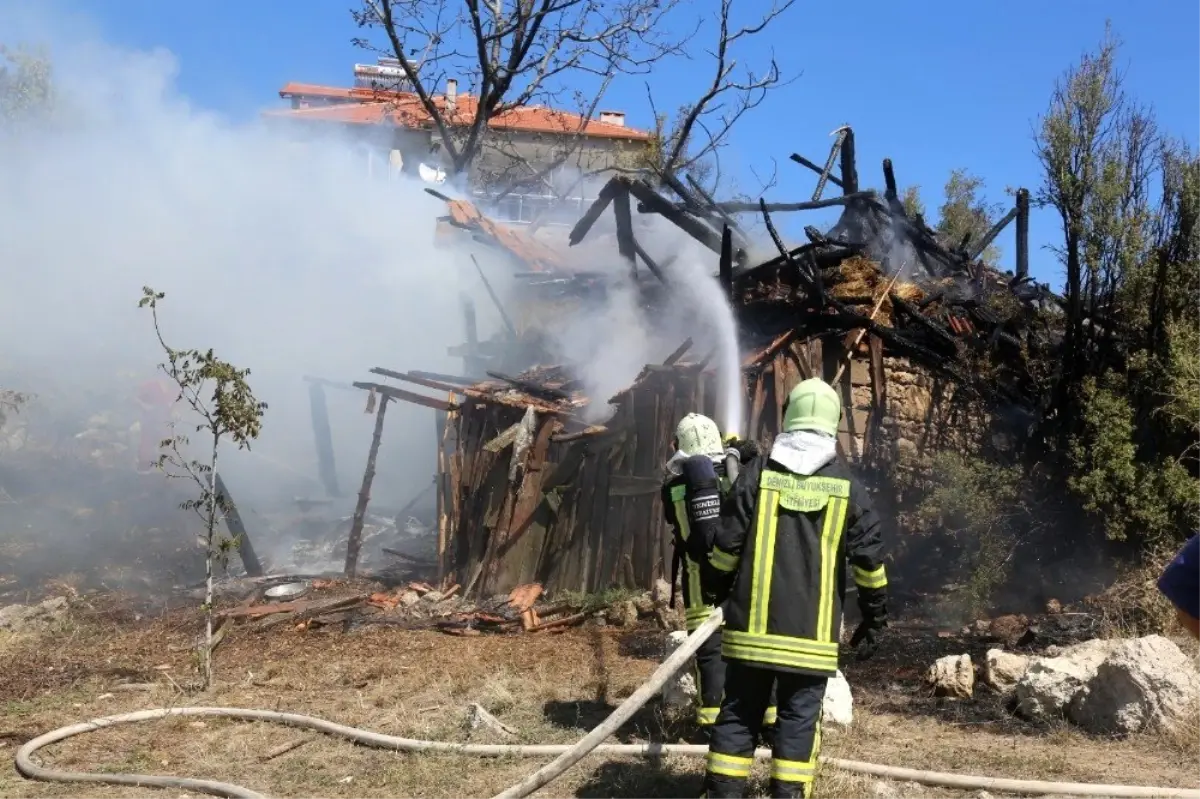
[308,603]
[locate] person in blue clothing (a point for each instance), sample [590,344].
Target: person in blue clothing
[1180,583]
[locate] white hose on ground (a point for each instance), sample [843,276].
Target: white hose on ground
[641,696]
[567,754]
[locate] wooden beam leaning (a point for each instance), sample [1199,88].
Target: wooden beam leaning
[354,541]
[392,392]
[804,162]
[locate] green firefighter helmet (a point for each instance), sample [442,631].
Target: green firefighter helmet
[813,405]
[699,435]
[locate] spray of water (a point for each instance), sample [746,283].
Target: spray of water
[731,408]
[715,311]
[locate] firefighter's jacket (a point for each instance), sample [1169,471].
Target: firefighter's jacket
[692,499]
[789,525]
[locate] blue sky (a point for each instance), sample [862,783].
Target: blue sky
[932,84]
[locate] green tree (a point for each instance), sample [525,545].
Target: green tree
[966,216]
[26,86]
[1099,152]
[914,206]
[224,408]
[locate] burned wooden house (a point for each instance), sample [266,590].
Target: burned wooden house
[529,491]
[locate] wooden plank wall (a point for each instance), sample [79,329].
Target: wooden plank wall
[584,516]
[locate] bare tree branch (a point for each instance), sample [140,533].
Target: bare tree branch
[726,99]
[514,54]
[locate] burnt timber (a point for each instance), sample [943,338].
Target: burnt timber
[527,492]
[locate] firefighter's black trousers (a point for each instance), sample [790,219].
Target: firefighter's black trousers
[710,684]
[739,726]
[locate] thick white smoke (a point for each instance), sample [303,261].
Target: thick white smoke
[281,255]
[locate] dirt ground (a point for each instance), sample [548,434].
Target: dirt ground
[550,688]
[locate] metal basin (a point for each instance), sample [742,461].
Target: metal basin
[286,591]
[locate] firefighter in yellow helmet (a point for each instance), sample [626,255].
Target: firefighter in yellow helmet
[695,485]
[792,520]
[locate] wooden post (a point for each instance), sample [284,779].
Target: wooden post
[726,265]
[625,243]
[1022,232]
[471,365]
[354,542]
[849,168]
[323,437]
[441,482]
[889,180]
[233,520]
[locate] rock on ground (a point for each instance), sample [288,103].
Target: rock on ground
[680,691]
[838,707]
[1145,684]
[1003,670]
[19,618]
[1046,689]
[953,675]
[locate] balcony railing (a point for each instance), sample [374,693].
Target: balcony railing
[525,208]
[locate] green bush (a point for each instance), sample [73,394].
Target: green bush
[980,506]
[1147,497]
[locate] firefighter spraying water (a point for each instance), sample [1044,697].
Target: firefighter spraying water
[698,476]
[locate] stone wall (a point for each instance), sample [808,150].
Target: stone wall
[924,413]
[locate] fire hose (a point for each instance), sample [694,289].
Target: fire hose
[567,754]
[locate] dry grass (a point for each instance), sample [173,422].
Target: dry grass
[860,278]
[419,684]
[1132,605]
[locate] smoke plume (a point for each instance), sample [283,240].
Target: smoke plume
[280,253]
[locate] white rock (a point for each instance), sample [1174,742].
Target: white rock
[680,691]
[1049,684]
[953,675]
[838,707]
[1145,684]
[1002,670]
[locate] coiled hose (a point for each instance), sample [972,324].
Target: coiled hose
[567,755]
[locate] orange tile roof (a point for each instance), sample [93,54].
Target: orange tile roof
[518,243]
[373,107]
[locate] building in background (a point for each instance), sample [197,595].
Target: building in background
[397,135]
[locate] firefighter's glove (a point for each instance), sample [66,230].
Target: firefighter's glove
[745,449]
